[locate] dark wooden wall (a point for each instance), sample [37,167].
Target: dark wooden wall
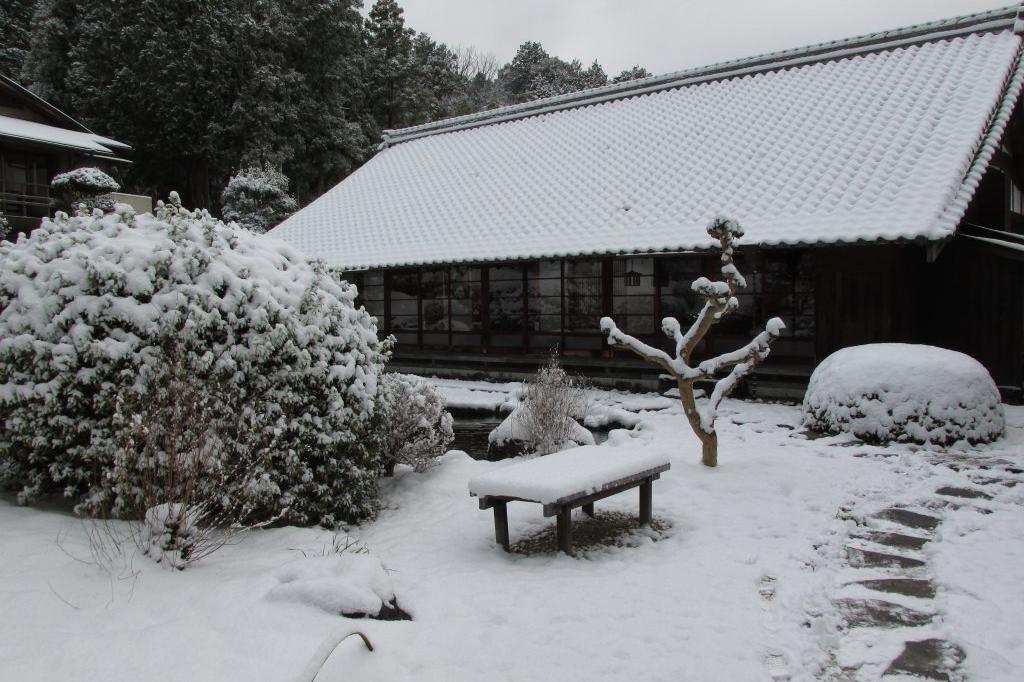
[971,299]
[977,307]
[868,294]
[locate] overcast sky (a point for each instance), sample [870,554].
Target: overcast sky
[665,35]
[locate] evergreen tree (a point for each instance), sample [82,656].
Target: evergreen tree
[389,55]
[632,73]
[525,72]
[47,64]
[15,21]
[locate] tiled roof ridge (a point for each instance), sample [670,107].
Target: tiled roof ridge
[1009,17]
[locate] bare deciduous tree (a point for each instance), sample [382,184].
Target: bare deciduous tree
[471,62]
[180,461]
[719,301]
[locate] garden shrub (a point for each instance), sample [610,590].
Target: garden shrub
[886,392]
[413,426]
[89,303]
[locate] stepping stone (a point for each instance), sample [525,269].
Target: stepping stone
[894,539]
[909,587]
[908,518]
[1007,482]
[932,659]
[865,558]
[967,493]
[879,613]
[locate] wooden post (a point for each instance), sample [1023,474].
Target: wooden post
[501,524]
[588,509]
[646,489]
[564,529]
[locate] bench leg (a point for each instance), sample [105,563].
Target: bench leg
[646,490]
[588,509]
[501,524]
[564,528]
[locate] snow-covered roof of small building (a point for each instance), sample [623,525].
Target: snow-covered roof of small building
[882,137]
[33,131]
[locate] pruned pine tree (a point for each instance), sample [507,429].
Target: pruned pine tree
[257,198]
[719,301]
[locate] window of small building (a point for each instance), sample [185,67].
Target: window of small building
[544,314]
[507,305]
[786,288]
[466,311]
[24,184]
[405,319]
[633,294]
[582,300]
[371,295]
[434,306]
[675,275]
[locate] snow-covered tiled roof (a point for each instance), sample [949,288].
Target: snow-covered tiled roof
[32,131]
[879,138]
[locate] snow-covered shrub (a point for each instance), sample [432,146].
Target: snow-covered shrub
[84,187]
[4,226]
[887,392]
[87,305]
[545,421]
[412,425]
[257,198]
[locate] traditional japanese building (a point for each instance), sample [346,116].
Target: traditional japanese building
[38,141]
[878,180]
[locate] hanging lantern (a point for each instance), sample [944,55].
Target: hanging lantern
[631,278]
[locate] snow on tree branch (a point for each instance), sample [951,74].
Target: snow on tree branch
[719,301]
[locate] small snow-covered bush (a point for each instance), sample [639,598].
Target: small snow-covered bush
[545,421]
[904,392]
[88,305]
[257,198]
[84,186]
[412,425]
[4,226]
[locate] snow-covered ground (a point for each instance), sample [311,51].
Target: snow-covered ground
[746,584]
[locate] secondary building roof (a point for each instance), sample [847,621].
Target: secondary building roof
[32,131]
[27,124]
[882,137]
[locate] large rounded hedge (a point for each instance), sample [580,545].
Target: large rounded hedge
[87,305]
[884,392]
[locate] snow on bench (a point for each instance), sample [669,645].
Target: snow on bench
[568,479]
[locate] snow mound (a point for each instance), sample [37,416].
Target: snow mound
[345,584]
[512,436]
[904,392]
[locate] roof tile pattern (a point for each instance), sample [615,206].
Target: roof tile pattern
[876,146]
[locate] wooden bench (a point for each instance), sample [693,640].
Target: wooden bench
[562,481]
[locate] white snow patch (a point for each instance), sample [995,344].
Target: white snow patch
[337,584]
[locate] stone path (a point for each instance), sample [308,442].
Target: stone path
[896,592]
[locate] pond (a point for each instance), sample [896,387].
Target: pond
[472,429]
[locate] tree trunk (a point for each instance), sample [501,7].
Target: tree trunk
[709,441]
[709,449]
